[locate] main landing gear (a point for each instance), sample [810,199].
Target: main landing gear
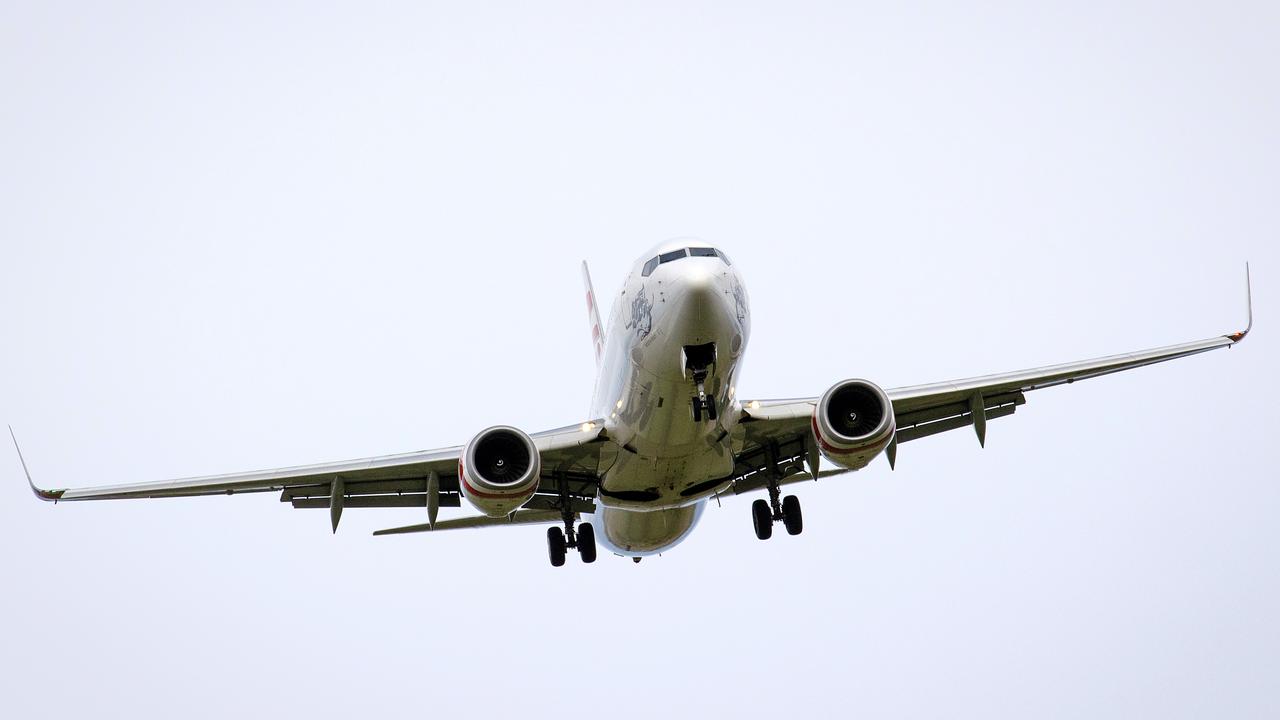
[582,538]
[763,516]
[764,513]
[558,543]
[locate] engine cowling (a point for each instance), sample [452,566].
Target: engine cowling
[499,470]
[853,422]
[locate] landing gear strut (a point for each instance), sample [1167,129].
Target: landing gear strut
[581,538]
[764,513]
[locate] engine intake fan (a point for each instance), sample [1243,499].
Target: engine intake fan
[853,423]
[499,470]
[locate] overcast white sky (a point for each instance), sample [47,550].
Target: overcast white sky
[260,234]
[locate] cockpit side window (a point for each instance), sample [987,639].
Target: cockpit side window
[724,257]
[649,267]
[673,255]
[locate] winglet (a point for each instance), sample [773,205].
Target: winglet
[1248,289]
[49,495]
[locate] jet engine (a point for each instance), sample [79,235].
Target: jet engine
[499,470]
[853,423]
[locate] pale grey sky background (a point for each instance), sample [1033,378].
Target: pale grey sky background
[244,235]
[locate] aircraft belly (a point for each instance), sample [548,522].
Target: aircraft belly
[652,483]
[636,533]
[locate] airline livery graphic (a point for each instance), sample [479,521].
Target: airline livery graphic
[668,430]
[641,320]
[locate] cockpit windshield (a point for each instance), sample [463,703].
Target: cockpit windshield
[666,257]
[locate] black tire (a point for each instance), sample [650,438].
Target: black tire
[697,411]
[555,546]
[791,516]
[762,518]
[711,409]
[587,542]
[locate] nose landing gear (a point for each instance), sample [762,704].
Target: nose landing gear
[703,405]
[698,361]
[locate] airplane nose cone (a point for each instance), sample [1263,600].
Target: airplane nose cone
[700,288]
[702,308]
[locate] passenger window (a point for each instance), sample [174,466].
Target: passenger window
[673,255]
[649,267]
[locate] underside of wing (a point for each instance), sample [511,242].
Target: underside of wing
[776,438]
[569,461]
[924,410]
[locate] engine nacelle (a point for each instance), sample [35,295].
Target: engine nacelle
[853,423]
[499,470]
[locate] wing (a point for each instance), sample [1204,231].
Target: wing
[773,435]
[417,479]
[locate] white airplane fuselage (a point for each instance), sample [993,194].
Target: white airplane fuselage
[653,492]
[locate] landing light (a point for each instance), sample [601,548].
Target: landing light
[588,427]
[754,404]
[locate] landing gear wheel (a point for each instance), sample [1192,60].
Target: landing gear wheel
[587,542]
[711,409]
[555,546]
[762,518]
[791,515]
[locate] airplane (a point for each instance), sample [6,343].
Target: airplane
[667,433]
